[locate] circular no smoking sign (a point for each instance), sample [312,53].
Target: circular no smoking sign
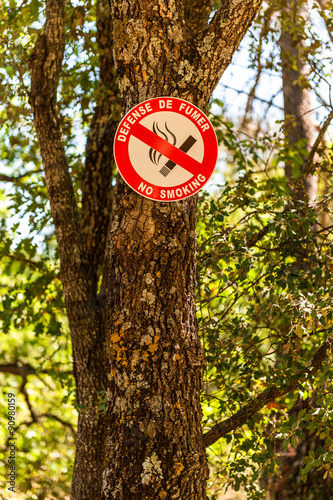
[165,149]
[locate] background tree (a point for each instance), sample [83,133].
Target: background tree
[300,128]
[299,120]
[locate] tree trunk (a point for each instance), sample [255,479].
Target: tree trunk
[155,445]
[299,120]
[91,377]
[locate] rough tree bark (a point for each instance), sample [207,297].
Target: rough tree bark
[146,307]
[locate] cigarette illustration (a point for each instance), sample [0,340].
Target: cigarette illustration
[169,136]
[185,147]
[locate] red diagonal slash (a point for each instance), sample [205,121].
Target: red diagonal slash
[165,148]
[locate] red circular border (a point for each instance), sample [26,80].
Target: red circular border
[132,178]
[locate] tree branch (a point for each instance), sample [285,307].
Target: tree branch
[257,98]
[25,369]
[16,179]
[308,165]
[27,400]
[58,419]
[17,369]
[45,66]
[326,124]
[30,264]
[271,394]
[48,415]
[260,67]
[222,38]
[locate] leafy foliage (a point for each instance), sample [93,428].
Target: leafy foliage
[34,329]
[265,308]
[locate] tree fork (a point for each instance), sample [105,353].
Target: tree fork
[155,447]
